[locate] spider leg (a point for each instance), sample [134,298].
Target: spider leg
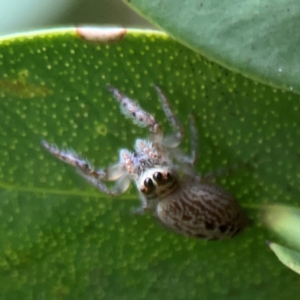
[140,210]
[194,140]
[70,157]
[137,114]
[180,156]
[171,141]
[119,187]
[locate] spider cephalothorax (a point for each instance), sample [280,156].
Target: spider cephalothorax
[165,178]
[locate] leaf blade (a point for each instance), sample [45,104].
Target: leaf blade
[288,257]
[62,239]
[256,39]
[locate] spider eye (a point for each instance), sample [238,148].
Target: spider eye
[148,183]
[157,176]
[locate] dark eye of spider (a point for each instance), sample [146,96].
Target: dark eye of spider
[148,183]
[157,176]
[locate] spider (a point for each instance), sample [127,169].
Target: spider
[165,177]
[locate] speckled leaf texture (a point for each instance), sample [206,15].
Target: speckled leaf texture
[62,239]
[257,38]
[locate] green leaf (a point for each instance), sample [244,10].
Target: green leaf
[288,257]
[61,239]
[256,38]
[285,222]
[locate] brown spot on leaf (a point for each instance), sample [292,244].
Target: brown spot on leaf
[21,88]
[101,35]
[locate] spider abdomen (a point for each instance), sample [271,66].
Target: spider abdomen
[202,210]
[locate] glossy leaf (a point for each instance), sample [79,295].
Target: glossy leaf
[288,257]
[61,239]
[285,222]
[256,38]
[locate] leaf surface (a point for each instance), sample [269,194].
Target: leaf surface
[61,239]
[288,257]
[256,38]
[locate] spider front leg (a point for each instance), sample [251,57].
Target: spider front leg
[174,140]
[95,177]
[83,166]
[140,210]
[137,114]
[125,164]
[120,187]
[191,159]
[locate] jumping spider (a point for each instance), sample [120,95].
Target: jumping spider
[165,177]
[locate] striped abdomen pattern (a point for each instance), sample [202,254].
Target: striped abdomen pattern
[202,210]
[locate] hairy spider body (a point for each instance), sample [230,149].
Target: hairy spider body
[165,178]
